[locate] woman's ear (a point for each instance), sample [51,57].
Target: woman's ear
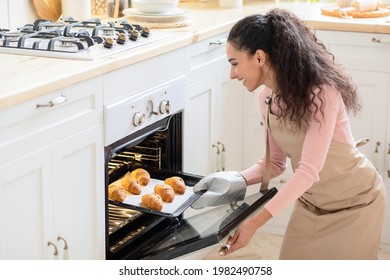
[260,57]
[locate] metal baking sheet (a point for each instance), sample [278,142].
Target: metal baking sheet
[170,209]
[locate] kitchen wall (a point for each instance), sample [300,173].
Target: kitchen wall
[19,13]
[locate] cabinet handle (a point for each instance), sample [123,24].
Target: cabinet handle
[56,101]
[223,156]
[380,41]
[55,254]
[219,42]
[376,155]
[65,243]
[217,159]
[66,251]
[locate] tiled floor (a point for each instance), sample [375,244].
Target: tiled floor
[262,246]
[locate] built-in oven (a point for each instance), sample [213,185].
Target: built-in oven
[145,131]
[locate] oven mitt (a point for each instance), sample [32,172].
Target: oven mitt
[220,188]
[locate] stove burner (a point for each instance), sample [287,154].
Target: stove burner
[12,36]
[50,25]
[67,42]
[108,31]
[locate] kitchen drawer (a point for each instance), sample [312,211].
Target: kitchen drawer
[141,76]
[206,57]
[79,107]
[355,49]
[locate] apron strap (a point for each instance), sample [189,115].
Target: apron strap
[267,171]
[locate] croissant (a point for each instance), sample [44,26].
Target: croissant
[131,185]
[152,201]
[117,193]
[141,175]
[165,191]
[177,184]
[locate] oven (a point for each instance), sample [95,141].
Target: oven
[145,131]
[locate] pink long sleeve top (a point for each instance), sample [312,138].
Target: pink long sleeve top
[333,126]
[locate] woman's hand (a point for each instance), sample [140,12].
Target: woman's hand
[246,230]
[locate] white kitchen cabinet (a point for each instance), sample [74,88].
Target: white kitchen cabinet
[52,176]
[212,115]
[4,15]
[367,61]
[20,12]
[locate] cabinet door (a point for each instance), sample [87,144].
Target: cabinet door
[4,15]
[227,124]
[78,194]
[25,207]
[370,123]
[212,116]
[197,128]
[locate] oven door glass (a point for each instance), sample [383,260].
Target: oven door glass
[204,229]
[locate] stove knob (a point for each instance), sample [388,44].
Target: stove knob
[134,35]
[108,42]
[122,39]
[145,32]
[138,119]
[165,107]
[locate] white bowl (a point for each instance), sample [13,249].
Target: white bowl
[155,6]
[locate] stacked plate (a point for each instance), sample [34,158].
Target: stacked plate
[158,14]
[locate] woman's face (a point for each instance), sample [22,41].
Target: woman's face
[246,68]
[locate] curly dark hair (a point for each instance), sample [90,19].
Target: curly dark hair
[301,63]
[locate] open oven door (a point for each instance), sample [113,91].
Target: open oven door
[187,235]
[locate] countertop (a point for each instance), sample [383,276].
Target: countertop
[26,77]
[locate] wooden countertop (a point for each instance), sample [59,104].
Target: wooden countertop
[26,77]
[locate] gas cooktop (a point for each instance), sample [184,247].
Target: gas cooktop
[72,39]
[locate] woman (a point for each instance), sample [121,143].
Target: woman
[339,196]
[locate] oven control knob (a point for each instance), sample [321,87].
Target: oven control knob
[138,119]
[165,107]
[149,110]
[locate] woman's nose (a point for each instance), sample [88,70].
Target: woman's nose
[232,74]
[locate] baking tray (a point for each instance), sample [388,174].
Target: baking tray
[173,209]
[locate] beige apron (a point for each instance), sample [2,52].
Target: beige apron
[339,217]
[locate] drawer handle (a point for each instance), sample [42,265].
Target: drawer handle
[56,101]
[219,42]
[380,41]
